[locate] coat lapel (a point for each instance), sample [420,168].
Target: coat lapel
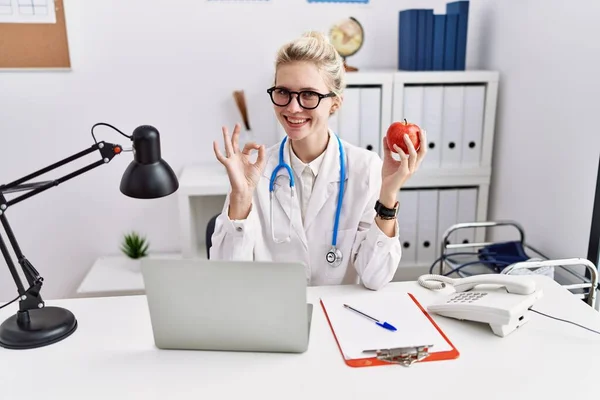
[327,183]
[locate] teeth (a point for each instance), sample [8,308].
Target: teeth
[296,121]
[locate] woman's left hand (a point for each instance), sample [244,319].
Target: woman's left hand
[395,173]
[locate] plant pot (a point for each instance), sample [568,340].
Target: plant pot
[131,264]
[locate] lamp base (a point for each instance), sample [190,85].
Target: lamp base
[37,328]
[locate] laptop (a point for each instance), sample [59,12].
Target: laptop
[198,304]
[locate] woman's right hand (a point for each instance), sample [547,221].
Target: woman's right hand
[243,174]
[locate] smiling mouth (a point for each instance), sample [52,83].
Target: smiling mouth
[296,121]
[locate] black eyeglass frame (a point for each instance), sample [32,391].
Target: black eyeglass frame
[319,95]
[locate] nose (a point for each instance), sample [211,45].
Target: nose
[294,105]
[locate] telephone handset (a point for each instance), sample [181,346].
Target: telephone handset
[502,301]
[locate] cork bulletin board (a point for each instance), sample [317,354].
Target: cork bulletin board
[33,34]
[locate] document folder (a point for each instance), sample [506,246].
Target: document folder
[363,343]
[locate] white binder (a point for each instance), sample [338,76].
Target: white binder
[413,105]
[349,117]
[433,104]
[452,126]
[427,226]
[467,212]
[474,106]
[370,119]
[408,212]
[447,216]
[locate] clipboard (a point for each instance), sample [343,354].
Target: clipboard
[405,354]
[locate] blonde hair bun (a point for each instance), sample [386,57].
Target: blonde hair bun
[315,46]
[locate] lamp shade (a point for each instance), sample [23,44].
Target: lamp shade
[148,176]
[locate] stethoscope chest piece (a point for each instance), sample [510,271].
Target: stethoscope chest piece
[334,257]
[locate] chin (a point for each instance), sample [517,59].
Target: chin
[297,131]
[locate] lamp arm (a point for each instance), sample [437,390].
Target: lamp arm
[30,298]
[107,152]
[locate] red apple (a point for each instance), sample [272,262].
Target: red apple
[395,135]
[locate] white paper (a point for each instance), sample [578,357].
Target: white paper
[27,11]
[356,333]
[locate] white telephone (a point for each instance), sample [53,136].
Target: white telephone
[503,303]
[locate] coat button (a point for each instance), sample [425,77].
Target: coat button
[380,243]
[239,229]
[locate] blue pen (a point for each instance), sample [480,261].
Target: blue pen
[382,324]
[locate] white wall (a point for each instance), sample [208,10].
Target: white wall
[547,138]
[147,62]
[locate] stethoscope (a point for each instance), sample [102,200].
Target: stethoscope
[334,255]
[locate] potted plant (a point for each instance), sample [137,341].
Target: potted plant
[135,247]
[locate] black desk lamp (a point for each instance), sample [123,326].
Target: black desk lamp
[148,176]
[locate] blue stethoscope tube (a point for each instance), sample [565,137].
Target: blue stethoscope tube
[334,255]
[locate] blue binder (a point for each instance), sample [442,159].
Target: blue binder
[428,40]
[461,9]
[407,40]
[422,44]
[439,35]
[450,42]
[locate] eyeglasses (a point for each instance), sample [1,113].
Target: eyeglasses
[307,99]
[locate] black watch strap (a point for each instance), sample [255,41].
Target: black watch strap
[386,213]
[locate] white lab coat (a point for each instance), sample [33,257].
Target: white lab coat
[369,255]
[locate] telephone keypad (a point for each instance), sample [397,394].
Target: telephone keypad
[466,297]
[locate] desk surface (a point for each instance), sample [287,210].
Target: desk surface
[112,355]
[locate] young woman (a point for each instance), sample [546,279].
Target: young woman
[268,216]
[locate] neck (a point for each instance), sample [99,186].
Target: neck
[310,147]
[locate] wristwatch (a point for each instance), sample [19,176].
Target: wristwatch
[386,213]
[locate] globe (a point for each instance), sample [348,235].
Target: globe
[347,36]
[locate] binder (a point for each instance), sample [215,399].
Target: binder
[412,107]
[427,226]
[370,111]
[452,126]
[407,40]
[349,117]
[433,104]
[474,105]
[364,344]
[439,35]
[447,216]
[413,104]
[450,42]
[461,9]
[407,225]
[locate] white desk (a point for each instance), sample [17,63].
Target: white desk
[112,356]
[116,275]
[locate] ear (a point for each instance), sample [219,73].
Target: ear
[337,103]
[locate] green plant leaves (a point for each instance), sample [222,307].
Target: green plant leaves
[134,245]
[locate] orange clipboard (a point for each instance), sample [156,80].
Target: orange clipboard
[405,355]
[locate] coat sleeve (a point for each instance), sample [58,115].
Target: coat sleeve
[375,255]
[233,239]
